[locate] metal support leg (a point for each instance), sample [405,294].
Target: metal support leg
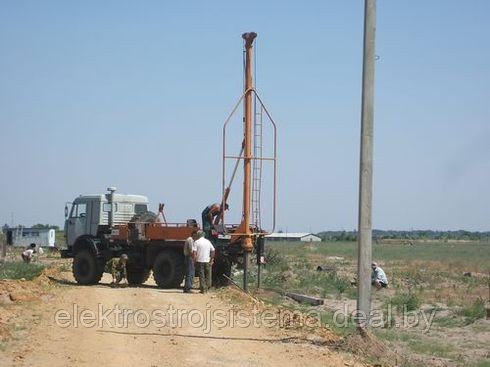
[246,261]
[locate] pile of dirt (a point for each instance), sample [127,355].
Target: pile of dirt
[20,290]
[365,344]
[48,273]
[14,293]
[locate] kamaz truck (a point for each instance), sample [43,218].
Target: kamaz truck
[100,227]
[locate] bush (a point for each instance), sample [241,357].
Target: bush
[19,270]
[341,284]
[273,257]
[409,300]
[474,312]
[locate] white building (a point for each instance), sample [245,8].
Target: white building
[303,237]
[23,237]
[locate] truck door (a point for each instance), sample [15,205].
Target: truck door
[93,217]
[76,224]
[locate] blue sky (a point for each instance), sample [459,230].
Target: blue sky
[134,94]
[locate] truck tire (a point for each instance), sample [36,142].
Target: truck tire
[87,269]
[137,277]
[144,217]
[222,266]
[168,269]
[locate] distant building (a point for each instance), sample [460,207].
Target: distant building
[303,237]
[23,237]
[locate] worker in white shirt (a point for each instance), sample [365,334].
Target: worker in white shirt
[203,254]
[28,254]
[378,277]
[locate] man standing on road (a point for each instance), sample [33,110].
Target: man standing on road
[117,268]
[189,262]
[378,278]
[203,254]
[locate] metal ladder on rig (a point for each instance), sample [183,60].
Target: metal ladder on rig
[257,164]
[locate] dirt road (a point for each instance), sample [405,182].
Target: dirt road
[117,342]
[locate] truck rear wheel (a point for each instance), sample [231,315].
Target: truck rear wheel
[86,268]
[168,269]
[222,266]
[137,277]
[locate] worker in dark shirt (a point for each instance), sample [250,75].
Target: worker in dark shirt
[209,214]
[189,262]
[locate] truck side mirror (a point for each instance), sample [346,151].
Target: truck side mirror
[66,211]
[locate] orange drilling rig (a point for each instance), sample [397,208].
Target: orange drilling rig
[249,233]
[100,227]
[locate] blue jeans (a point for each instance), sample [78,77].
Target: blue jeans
[189,272]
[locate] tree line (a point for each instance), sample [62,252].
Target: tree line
[407,235]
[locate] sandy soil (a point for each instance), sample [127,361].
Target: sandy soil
[47,344]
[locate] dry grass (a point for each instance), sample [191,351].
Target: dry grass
[451,279]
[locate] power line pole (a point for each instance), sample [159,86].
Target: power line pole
[366,168]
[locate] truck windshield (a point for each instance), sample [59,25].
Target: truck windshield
[140,208]
[78,210]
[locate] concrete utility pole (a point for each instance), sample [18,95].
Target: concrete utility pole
[366,168]
[3,249]
[3,244]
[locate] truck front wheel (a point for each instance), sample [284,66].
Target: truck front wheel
[168,269]
[86,268]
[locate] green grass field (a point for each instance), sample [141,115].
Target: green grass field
[475,253]
[20,270]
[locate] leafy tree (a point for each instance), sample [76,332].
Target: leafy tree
[40,226]
[46,226]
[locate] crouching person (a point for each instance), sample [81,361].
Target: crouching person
[28,253]
[203,255]
[378,278]
[117,268]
